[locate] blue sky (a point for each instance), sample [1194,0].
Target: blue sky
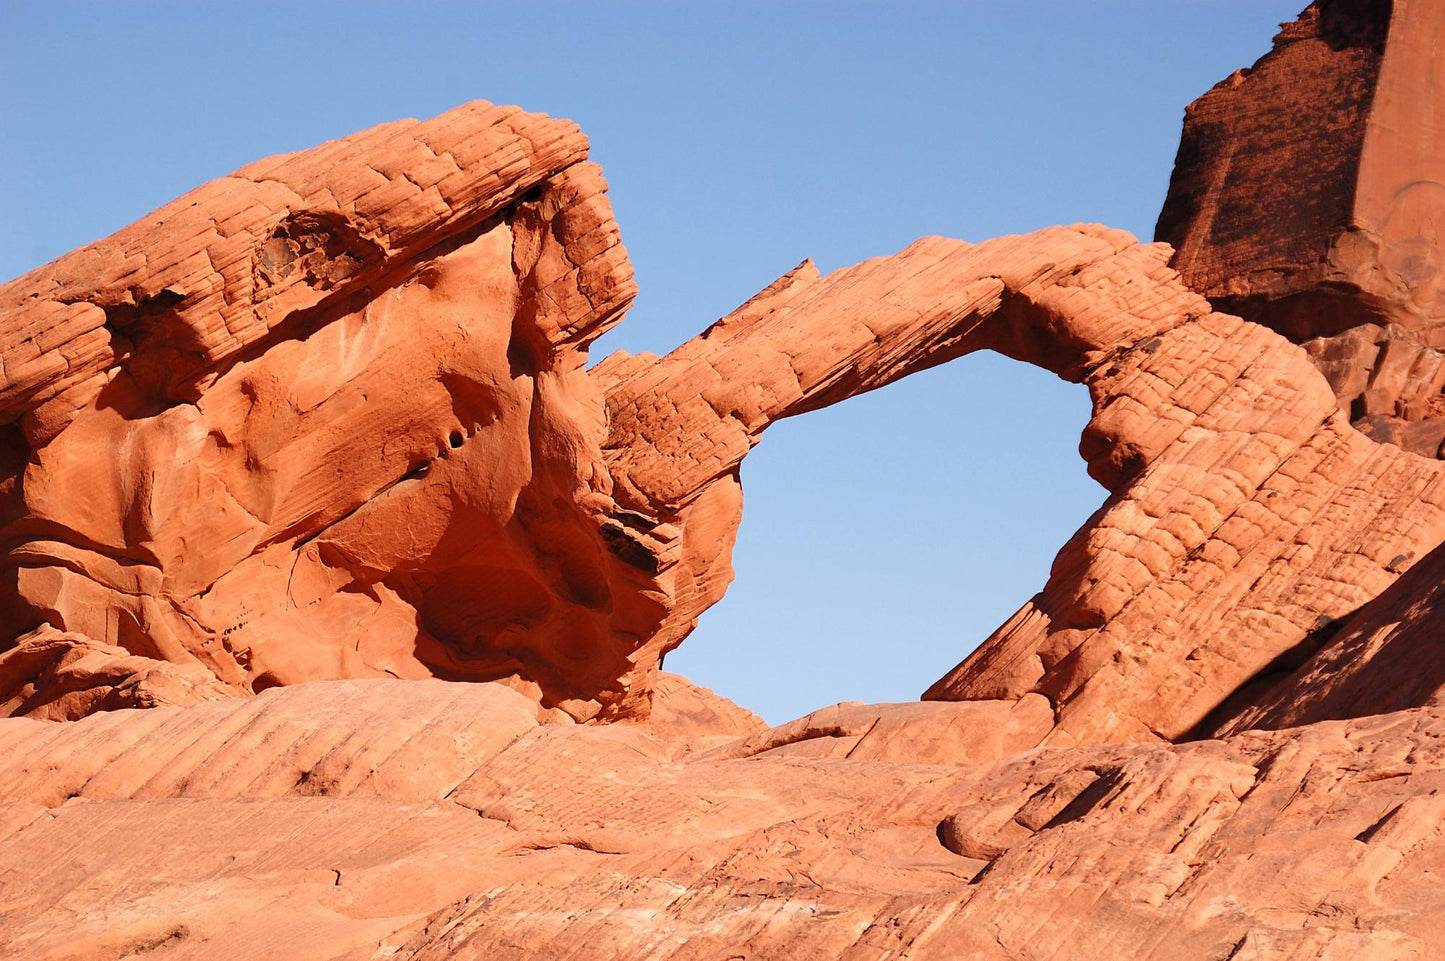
[883,538]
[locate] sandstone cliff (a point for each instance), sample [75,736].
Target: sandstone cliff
[1309,195]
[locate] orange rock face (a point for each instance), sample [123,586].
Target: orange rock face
[428,820]
[340,585]
[327,417]
[1345,252]
[378,452]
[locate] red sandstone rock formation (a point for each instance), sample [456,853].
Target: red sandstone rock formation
[1383,657]
[1246,514]
[427,820]
[502,535]
[482,526]
[327,417]
[1309,195]
[328,420]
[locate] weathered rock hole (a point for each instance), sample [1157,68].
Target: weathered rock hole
[263,682]
[455,439]
[325,246]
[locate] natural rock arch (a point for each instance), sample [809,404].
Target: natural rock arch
[975,463]
[1201,421]
[391,459]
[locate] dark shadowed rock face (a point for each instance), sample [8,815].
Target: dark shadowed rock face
[1386,656]
[1256,242]
[1309,196]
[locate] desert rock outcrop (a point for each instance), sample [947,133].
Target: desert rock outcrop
[336,586]
[327,417]
[1309,195]
[403,471]
[1247,516]
[426,820]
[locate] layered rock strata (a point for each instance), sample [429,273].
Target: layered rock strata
[1384,657]
[1247,516]
[427,820]
[327,417]
[332,434]
[1309,195]
[329,420]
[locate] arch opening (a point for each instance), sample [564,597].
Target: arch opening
[885,537]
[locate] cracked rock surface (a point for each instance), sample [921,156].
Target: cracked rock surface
[427,819]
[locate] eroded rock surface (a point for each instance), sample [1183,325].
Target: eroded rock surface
[329,420]
[1246,514]
[329,417]
[427,820]
[1383,657]
[1309,195]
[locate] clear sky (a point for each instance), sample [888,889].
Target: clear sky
[883,538]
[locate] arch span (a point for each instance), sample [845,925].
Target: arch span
[1244,513]
[219,477]
[885,536]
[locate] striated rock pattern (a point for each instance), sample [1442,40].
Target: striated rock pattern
[1345,251]
[1261,520]
[426,820]
[1246,516]
[327,417]
[340,426]
[1384,657]
[329,420]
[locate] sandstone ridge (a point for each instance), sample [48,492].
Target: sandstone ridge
[425,819]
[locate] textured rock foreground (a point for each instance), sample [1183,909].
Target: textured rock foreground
[426,819]
[339,585]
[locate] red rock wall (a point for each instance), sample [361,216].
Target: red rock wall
[1383,657]
[1243,232]
[1309,196]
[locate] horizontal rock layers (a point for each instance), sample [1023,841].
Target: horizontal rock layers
[329,420]
[1309,195]
[427,820]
